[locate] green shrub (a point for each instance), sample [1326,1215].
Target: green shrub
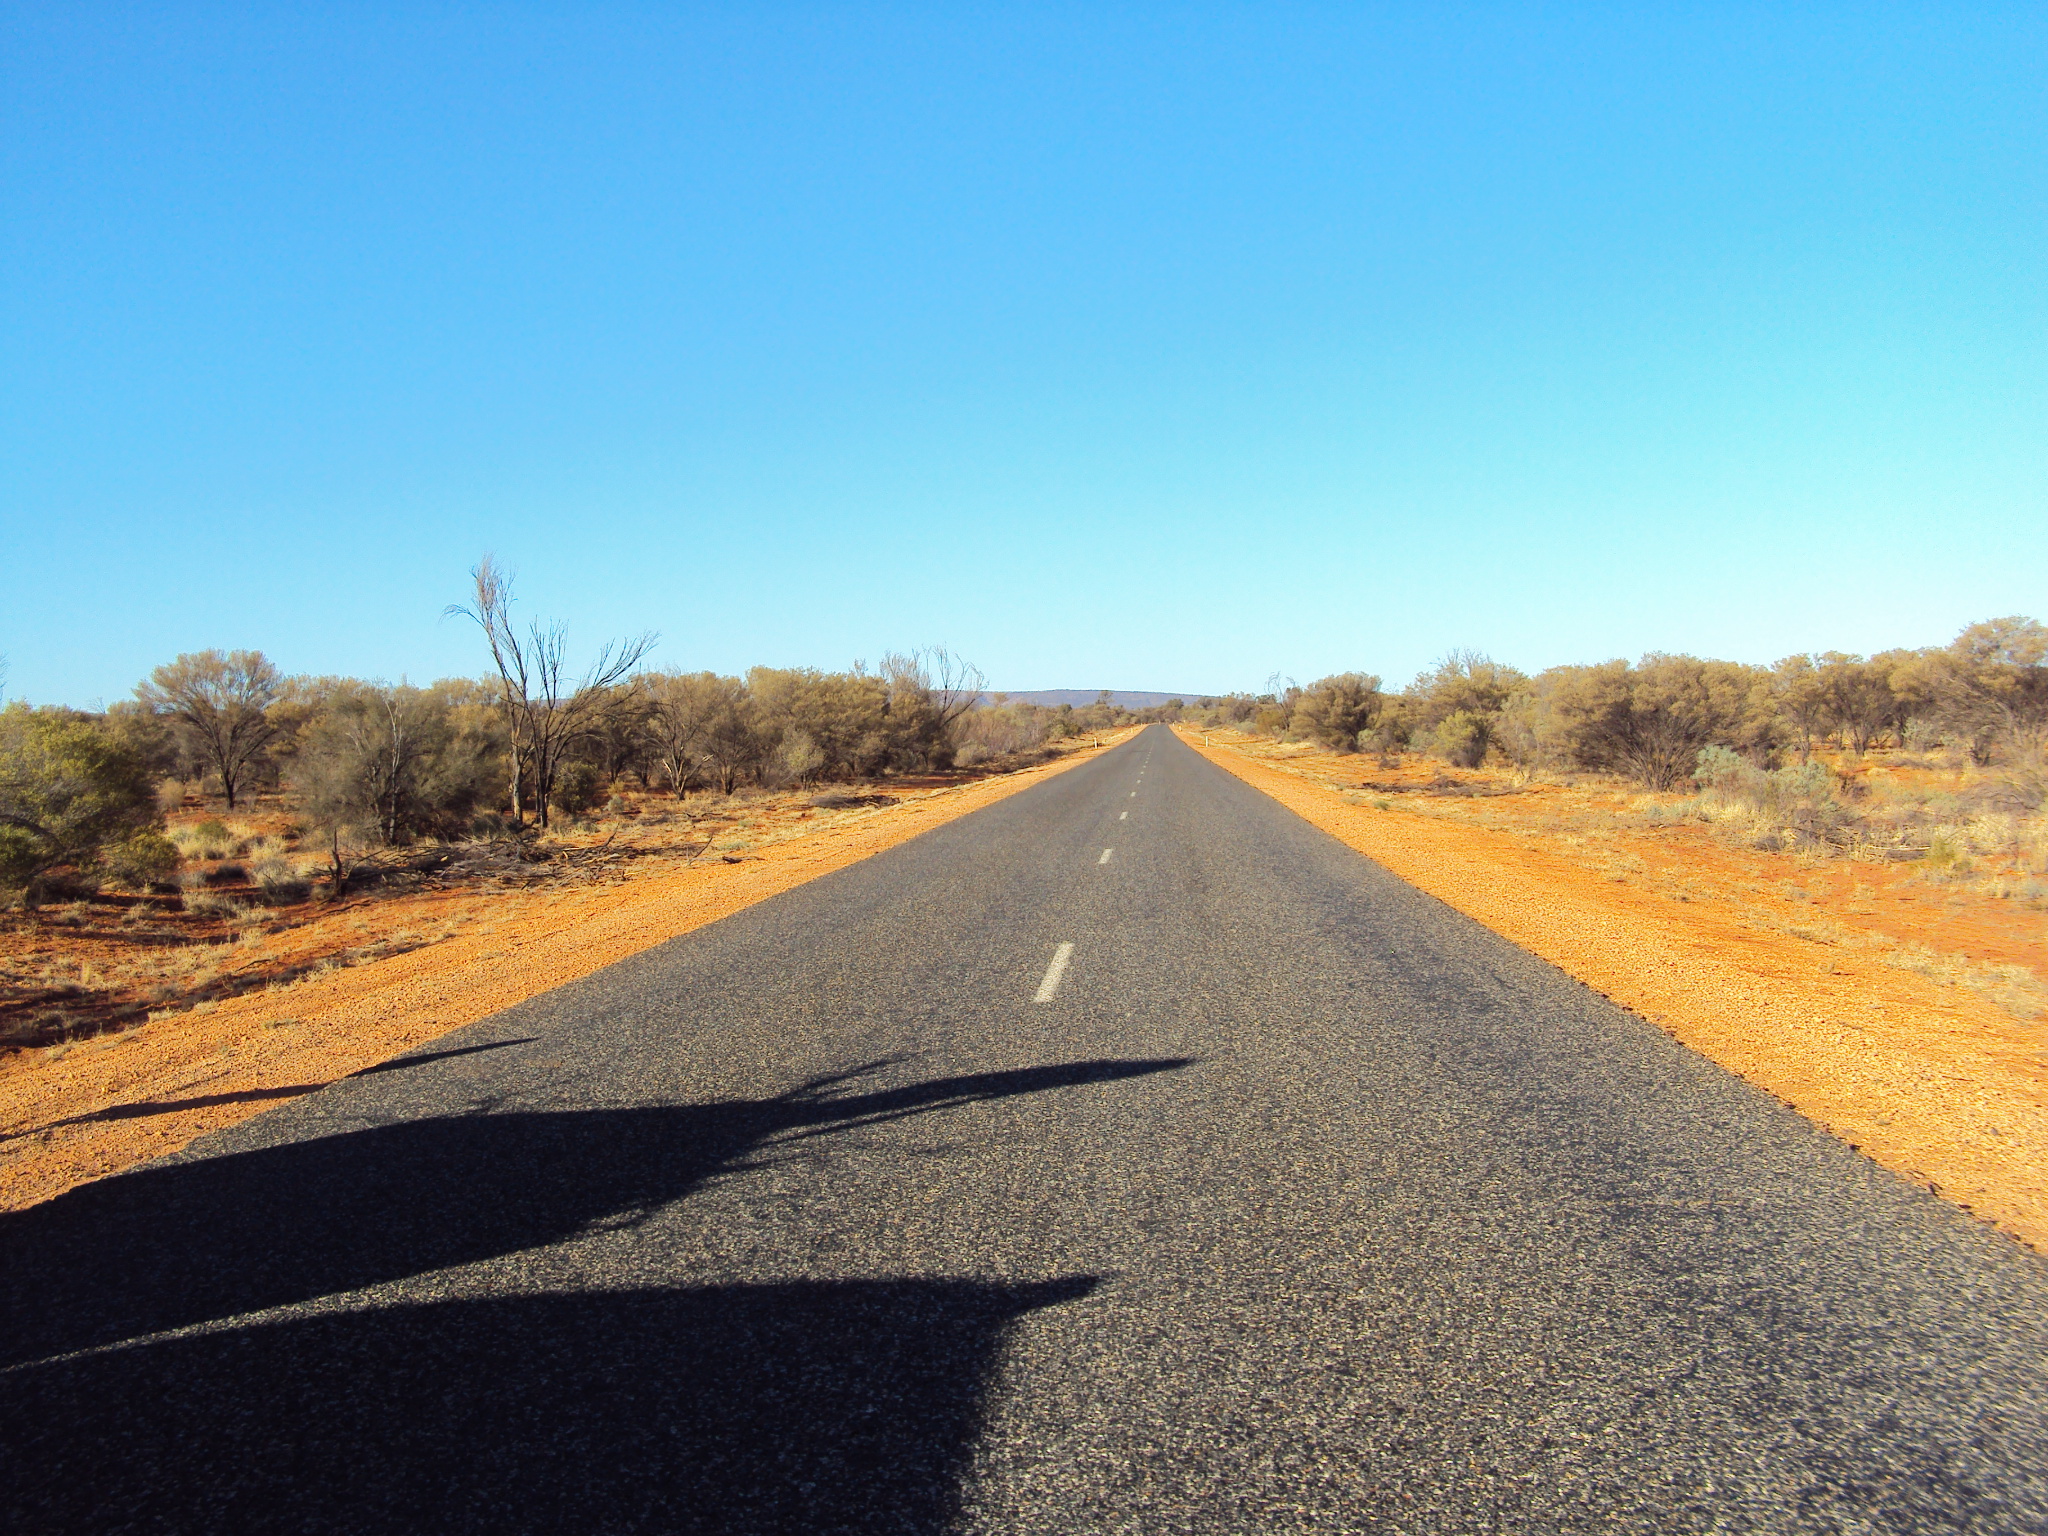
[1339,709]
[1462,737]
[1650,721]
[799,757]
[579,788]
[147,858]
[1800,804]
[68,790]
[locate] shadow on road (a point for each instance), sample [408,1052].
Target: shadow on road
[800,1408]
[178,1243]
[805,1406]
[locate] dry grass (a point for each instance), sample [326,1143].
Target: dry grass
[248,914]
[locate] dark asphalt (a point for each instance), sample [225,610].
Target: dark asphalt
[1305,1204]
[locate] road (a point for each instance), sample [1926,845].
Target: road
[1294,1201]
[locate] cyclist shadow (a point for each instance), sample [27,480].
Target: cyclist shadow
[804,1406]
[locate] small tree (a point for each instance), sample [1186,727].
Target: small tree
[798,757]
[1856,698]
[1462,738]
[701,726]
[579,787]
[1339,709]
[729,746]
[1650,721]
[1990,689]
[1456,706]
[219,700]
[618,737]
[366,761]
[845,715]
[68,793]
[928,692]
[1801,700]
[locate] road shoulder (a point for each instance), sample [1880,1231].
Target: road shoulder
[1939,1086]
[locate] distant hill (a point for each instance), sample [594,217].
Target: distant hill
[1128,698]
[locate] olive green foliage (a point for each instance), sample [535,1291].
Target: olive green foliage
[144,859]
[1799,697]
[1337,710]
[1455,710]
[1984,696]
[930,691]
[1855,697]
[151,737]
[390,764]
[69,792]
[1801,804]
[579,788]
[1464,738]
[218,702]
[796,725]
[1004,729]
[1649,721]
[814,724]
[1989,689]
[701,729]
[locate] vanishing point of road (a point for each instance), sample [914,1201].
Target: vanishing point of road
[1128,1156]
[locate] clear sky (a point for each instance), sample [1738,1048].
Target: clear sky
[1113,346]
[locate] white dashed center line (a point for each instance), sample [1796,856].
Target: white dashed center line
[1105,855]
[1120,815]
[1053,973]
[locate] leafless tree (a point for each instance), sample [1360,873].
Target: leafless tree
[956,685]
[219,700]
[545,708]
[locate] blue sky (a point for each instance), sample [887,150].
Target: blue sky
[1140,347]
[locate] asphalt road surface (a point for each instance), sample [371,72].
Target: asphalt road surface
[1291,1200]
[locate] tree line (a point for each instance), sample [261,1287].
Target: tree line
[1984,696]
[376,763]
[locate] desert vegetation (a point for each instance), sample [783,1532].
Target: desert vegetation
[151,853]
[1934,758]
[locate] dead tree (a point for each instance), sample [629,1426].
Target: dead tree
[545,709]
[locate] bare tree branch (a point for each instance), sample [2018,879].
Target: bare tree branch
[544,708]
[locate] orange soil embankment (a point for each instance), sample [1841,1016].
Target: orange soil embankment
[1932,1082]
[113,1102]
